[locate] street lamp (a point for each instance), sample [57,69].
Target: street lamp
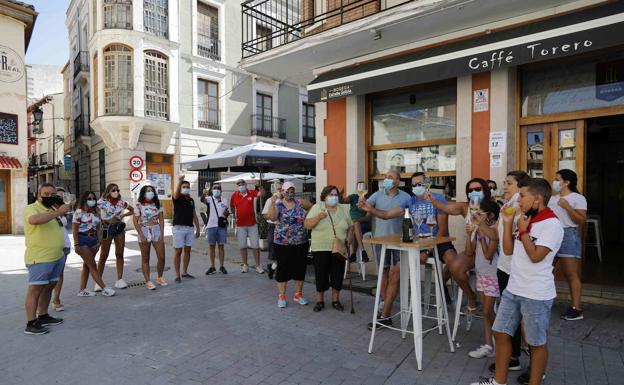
[37,118]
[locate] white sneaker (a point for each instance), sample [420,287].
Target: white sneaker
[108,292]
[121,284]
[482,351]
[259,270]
[487,381]
[97,288]
[244,268]
[86,293]
[274,266]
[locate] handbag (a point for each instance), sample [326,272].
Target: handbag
[221,221]
[339,247]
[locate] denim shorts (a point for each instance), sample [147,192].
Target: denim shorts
[571,244]
[153,231]
[183,236]
[535,315]
[89,241]
[46,272]
[217,235]
[391,255]
[244,232]
[114,229]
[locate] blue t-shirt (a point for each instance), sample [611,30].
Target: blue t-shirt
[425,208]
[382,201]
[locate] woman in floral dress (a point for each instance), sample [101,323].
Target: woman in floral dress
[149,222]
[291,243]
[85,228]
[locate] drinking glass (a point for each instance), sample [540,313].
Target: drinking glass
[418,220]
[362,190]
[431,222]
[69,199]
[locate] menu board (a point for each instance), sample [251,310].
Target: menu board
[8,128]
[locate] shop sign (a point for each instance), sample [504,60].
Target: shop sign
[11,65]
[481,100]
[610,80]
[67,162]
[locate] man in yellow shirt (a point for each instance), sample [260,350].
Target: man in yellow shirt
[43,257]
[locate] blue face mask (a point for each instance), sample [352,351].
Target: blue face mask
[216,193]
[242,188]
[91,203]
[149,195]
[418,190]
[331,200]
[476,194]
[388,183]
[556,186]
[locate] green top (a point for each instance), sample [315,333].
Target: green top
[322,233]
[44,243]
[356,212]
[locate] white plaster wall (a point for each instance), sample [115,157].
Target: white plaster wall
[502,118]
[355,146]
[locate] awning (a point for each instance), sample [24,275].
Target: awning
[9,162]
[575,33]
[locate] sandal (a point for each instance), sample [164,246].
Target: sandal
[58,306]
[470,310]
[337,305]
[319,306]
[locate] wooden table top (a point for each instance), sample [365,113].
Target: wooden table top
[395,240]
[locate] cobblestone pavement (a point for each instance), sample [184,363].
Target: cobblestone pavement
[227,329]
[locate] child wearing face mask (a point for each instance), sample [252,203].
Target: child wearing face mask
[485,251]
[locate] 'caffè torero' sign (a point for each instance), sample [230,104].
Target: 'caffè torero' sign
[11,65]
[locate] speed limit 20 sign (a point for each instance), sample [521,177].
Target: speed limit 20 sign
[136,162]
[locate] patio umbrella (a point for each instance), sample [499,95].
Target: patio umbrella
[262,157]
[251,176]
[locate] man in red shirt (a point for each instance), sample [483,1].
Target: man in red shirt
[242,201]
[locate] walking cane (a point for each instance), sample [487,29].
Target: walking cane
[351,287]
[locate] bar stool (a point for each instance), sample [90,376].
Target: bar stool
[594,220]
[458,303]
[358,256]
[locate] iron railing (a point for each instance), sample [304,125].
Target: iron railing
[81,128]
[268,24]
[81,62]
[208,47]
[208,118]
[33,161]
[43,159]
[309,138]
[268,126]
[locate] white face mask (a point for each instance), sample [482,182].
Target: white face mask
[149,195]
[91,202]
[185,190]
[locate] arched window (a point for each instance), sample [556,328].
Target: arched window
[118,80]
[155,17]
[156,85]
[117,14]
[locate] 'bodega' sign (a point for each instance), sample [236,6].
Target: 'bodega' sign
[11,65]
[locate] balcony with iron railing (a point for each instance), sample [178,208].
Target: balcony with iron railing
[81,62]
[268,126]
[43,159]
[81,127]
[268,24]
[208,118]
[308,138]
[208,47]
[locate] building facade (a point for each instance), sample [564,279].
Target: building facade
[42,80]
[16,25]
[460,90]
[159,80]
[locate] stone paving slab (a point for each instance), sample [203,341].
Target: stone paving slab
[226,329]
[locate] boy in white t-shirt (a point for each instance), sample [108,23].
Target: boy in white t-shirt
[531,289]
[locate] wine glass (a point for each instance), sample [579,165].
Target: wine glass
[431,222]
[69,199]
[362,190]
[418,220]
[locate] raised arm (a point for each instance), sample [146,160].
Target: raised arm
[454,208]
[177,194]
[508,241]
[392,213]
[39,219]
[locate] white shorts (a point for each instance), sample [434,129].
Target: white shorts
[183,236]
[244,232]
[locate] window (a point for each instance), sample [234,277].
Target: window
[156,85]
[118,14]
[263,38]
[96,94]
[264,114]
[414,131]
[155,17]
[118,80]
[205,178]
[307,121]
[208,99]
[102,167]
[208,32]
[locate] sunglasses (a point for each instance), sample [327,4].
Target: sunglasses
[114,190]
[417,184]
[474,189]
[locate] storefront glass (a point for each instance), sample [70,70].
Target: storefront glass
[582,83]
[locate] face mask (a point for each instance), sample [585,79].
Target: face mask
[149,195]
[331,200]
[289,196]
[493,192]
[532,211]
[418,190]
[242,188]
[476,194]
[388,183]
[216,193]
[557,186]
[114,195]
[185,190]
[91,203]
[48,201]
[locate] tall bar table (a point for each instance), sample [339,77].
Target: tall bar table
[410,281]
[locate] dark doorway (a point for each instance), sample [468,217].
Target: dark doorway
[605,200]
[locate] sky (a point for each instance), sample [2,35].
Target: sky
[49,43]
